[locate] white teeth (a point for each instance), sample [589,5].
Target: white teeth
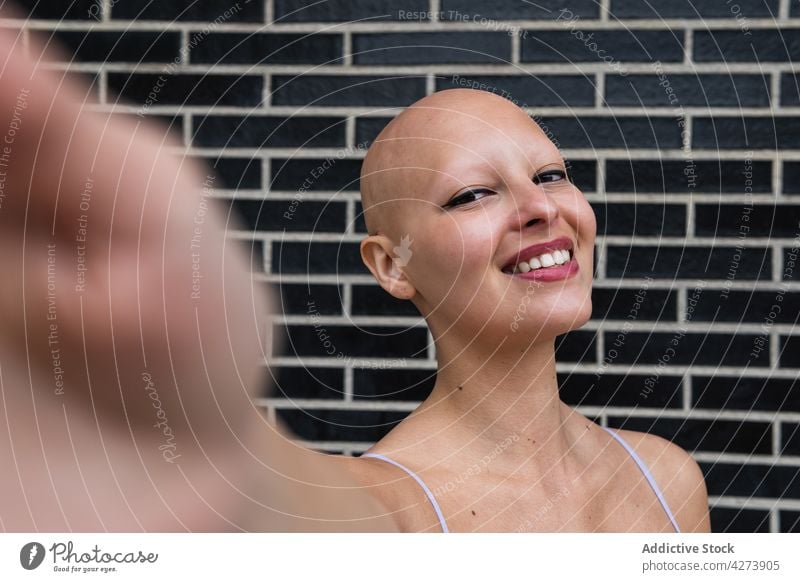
[558,257]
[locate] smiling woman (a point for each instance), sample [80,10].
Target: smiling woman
[486,198]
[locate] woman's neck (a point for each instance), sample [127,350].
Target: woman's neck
[507,400]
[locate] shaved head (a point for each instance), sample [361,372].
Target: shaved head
[396,163]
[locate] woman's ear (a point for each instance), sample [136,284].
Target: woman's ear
[385,260]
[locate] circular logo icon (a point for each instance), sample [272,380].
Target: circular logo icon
[31,555]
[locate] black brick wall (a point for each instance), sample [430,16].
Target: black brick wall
[685,124]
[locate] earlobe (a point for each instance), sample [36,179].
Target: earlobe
[376,252]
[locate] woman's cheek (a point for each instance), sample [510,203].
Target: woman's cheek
[590,221]
[450,268]
[584,218]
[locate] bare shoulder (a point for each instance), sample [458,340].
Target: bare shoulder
[678,476]
[397,492]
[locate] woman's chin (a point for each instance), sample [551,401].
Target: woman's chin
[554,324]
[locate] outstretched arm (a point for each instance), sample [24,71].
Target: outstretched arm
[126,379]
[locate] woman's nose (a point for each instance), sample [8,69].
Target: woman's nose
[533,205]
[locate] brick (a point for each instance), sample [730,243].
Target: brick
[790,438]
[772,220]
[790,90]
[746,132]
[311,298]
[640,219]
[309,216]
[360,223]
[680,262]
[338,91]
[189,10]
[790,520]
[304,382]
[69,10]
[236,173]
[583,173]
[291,175]
[529,90]
[427,48]
[267,48]
[723,436]
[614,132]
[760,46]
[790,263]
[131,46]
[608,389]
[752,480]
[694,9]
[744,393]
[220,90]
[688,90]
[232,131]
[747,306]
[317,258]
[676,176]
[640,304]
[344,425]
[624,45]
[728,520]
[396,384]
[368,128]
[349,10]
[791,177]
[459,10]
[577,346]
[340,341]
[698,349]
[373,300]
[789,349]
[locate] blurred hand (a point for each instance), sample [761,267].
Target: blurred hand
[132,336]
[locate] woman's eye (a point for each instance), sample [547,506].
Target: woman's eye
[466,197]
[550,176]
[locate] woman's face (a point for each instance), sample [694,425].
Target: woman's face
[478,197]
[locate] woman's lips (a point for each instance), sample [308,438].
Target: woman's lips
[554,273]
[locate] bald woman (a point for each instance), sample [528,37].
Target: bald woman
[500,264]
[127,384]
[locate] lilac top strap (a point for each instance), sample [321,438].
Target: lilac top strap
[421,484]
[648,475]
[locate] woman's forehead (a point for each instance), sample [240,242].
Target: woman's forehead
[476,150]
[430,169]
[447,134]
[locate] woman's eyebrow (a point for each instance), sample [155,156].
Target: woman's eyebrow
[559,164]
